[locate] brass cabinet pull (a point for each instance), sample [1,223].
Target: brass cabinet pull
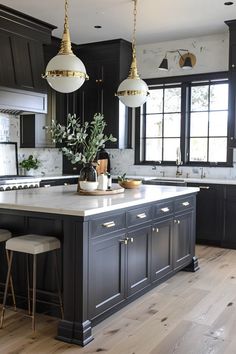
[155,229]
[177,221]
[125,241]
[185,203]
[204,187]
[109,224]
[165,210]
[141,216]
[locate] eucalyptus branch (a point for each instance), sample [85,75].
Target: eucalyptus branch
[80,142]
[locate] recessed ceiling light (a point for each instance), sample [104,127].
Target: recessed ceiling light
[228,3]
[97,26]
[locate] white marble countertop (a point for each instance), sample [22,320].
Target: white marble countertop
[66,201]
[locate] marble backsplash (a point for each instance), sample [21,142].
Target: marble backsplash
[50,158]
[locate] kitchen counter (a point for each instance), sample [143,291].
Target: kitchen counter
[65,199]
[114,248]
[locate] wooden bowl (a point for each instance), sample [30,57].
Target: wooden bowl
[130,183]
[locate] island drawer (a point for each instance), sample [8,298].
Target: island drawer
[163,209]
[102,226]
[184,203]
[139,216]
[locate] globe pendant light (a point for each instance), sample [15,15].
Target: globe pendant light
[65,72]
[133,91]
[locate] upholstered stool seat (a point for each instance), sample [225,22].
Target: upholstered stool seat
[4,235]
[31,244]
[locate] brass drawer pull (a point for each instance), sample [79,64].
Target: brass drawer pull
[109,224]
[204,187]
[165,210]
[141,216]
[185,203]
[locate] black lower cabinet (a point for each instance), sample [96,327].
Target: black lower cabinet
[182,239]
[229,236]
[138,260]
[209,213]
[161,247]
[106,276]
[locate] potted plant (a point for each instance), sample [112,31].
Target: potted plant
[81,142]
[29,163]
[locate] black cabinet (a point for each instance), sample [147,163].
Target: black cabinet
[161,249]
[106,276]
[132,250]
[138,260]
[22,57]
[182,239]
[32,132]
[229,236]
[232,83]
[209,213]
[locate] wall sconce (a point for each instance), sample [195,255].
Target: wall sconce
[186,61]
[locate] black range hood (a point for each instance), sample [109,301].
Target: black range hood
[15,101]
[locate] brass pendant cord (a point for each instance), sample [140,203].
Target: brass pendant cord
[133,74]
[65,48]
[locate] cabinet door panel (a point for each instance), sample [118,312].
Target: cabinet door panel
[182,242]
[22,62]
[161,249]
[106,276]
[7,74]
[138,260]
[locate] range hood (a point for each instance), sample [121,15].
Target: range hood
[15,101]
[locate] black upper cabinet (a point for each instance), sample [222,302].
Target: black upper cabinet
[232,83]
[22,58]
[107,64]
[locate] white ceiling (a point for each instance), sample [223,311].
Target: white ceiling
[157,20]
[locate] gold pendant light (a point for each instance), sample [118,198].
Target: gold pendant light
[133,91]
[65,72]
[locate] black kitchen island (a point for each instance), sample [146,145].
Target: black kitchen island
[114,248]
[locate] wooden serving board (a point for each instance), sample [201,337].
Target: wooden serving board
[114,190]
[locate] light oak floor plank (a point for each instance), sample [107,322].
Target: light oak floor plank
[191,313]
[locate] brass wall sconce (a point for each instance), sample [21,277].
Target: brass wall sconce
[186,61]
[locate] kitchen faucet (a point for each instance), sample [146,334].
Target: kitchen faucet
[203,174]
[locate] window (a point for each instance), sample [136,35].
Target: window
[190,116]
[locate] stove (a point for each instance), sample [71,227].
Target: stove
[8,183]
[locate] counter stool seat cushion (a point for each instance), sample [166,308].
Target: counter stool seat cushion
[4,235]
[33,244]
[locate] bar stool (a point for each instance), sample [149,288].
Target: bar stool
[31,244]
[4,236]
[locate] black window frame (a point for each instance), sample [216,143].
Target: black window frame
[185,82]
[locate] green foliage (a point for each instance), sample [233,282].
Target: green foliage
[81,142]
[30,163]
[122,178]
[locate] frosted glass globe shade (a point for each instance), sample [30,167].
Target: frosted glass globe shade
[135,92]
[69,63]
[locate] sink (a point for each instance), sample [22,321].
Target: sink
[166,181]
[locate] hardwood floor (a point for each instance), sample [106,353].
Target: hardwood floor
[191,313]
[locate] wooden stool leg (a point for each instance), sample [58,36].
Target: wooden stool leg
[58,283]
[28,284]
[11,283]
[6,288]
[34,291]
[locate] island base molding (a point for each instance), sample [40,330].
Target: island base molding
[193,266]
[74,332]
